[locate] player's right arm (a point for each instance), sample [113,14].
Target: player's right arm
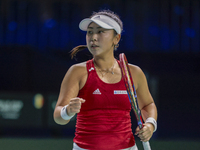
[69,90]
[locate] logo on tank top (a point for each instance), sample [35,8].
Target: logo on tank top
[97,91]
[91,69]
[120,92]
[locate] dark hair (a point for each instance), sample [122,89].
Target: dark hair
[108,13]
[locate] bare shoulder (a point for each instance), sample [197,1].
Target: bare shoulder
[75,72]
[137,74]
[78,69]
[79,65]
[135,69]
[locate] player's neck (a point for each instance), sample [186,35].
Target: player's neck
[104,63]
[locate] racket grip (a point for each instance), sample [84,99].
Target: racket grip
[146,145]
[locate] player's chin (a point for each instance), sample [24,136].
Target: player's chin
[96,52]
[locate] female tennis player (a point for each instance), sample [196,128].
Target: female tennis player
[95,91]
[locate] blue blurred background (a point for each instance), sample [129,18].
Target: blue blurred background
[160,36]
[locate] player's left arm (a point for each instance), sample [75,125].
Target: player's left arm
[145,102]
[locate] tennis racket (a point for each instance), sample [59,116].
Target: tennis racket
[132,94]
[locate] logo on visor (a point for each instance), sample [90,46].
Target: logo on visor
[97,17]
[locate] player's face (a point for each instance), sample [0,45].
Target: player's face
[99,40]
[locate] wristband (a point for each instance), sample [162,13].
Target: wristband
[153,122]
[64,115]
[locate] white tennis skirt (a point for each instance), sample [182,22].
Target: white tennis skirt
[76,147]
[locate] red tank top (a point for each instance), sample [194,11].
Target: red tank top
[103,122]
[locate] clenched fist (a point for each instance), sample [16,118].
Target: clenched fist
[74,106]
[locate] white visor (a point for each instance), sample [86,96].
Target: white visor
[103,21]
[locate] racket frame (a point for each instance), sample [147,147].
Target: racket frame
[126,75]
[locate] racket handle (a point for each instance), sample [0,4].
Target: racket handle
[146,145]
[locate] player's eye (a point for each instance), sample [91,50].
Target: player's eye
[89,32]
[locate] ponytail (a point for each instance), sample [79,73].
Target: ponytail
[76,49]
